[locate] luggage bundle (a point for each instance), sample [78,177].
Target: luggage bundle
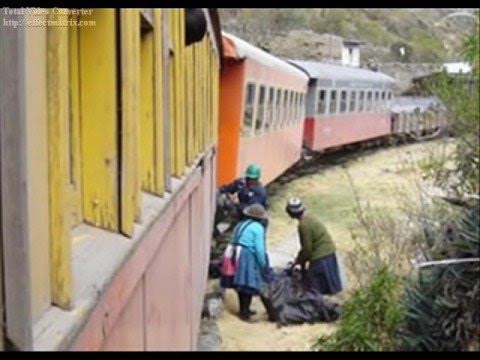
[289,301]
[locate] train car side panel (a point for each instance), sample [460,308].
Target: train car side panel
[308,130]
[231,109]
[129,333]
[349,129]
[275,152]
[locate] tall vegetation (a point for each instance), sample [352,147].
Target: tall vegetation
[442,307]
[438,309]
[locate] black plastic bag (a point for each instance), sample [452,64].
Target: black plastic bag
[289,301]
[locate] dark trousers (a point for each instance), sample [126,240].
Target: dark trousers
[245,300]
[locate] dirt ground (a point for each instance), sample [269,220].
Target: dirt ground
[387,179]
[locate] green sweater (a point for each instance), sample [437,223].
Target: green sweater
[314,239]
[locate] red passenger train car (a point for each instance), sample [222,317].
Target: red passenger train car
[345,105]
[262,104]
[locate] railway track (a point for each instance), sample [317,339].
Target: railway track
[313,162]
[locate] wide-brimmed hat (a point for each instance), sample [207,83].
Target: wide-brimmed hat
[295,206]
[255,211]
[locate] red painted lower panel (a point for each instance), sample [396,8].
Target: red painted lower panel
[345,129]
[274,151]
[128,332]
[168,290]
[154,301]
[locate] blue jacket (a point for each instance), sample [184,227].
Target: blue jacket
[251,235]
[247,196]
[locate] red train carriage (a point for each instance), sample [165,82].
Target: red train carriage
[345,105]
[262,102]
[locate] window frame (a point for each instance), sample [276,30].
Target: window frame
[278,108]
[352,101]
[269,114]
[319,102]
[369,101]
[343,101]
[248,129]
[284,108]
[333,91]
[260,112]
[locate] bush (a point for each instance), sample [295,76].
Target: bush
[442,312]
[370,318]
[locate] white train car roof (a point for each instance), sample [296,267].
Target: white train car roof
[244,50]
[343,74]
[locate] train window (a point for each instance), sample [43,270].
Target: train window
[343,101]
[288,107]
[295,108]
[269,116]
[285,108]
[278,108]
[351,107]
[321,102]
[361,101]
[260,109]
[389,95]
[249,106]
[333,101]
[299,113]
[301,107]
[383,104]
[292,107]
[369,101]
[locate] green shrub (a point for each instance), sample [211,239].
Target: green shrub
[369,318]
[442,308]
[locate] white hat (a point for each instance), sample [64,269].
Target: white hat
[295,206]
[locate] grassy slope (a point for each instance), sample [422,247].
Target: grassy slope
[386,178]
[429,39]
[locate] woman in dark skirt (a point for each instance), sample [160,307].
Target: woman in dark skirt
[248,251]
[318,249]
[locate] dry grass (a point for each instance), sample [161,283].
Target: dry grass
[386,180]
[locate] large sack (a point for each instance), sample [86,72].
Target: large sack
[289,302]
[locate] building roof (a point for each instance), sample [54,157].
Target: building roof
[353,42]
[457,67]
[318,70]
[239,49]
[408,104]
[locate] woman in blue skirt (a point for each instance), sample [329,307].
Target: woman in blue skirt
[317,249]
[247,248]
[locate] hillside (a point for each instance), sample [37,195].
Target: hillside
[426,34]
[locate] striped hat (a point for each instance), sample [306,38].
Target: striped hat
[295,206]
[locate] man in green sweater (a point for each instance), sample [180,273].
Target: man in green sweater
[317,250]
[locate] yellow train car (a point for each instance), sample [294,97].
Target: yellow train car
[108,174]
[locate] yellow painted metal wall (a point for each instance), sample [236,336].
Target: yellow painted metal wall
[147,121]
[130,80]
[99,125]
[74,159]
[58,118]
[107,103]
[159,92]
